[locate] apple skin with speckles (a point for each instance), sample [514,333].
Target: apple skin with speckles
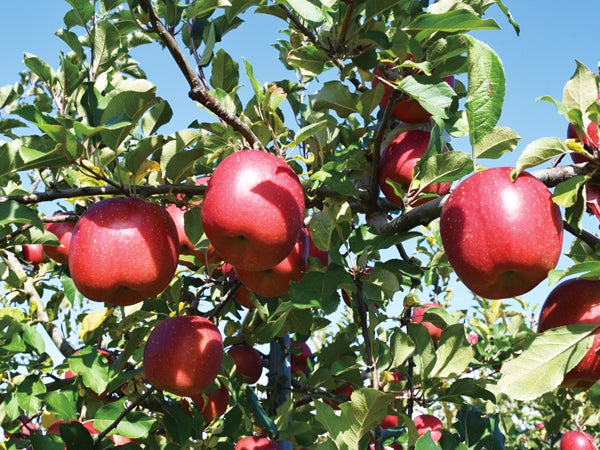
[64,232]
[123,250]
[183,355]
[575,301]
[501,237]
[253,209]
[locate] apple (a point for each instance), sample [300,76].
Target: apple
[575,301]
[276,280]
[26,427]
[342,394]
[427,422]
[300,352]
[398,161]
[89,426]
[33,253]
[389,421]
[183,355]
[63,231]
[255,443]
[212,404]
[123,250]
[253,210]
[408,110]
[501,237]
[417,316]
[577,440]
[248,362]
[242,295]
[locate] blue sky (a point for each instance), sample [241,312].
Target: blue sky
[538,62]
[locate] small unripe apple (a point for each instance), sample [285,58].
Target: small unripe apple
[575,301]
[501,237]
[64,232]
[577,440]
[183,355]
[33,253]
[417,316]
[300,352]
[212,404]
[427,422]
[248,362]
[253,209]
[398,162]
[276,280]
[255,443]
[123,251]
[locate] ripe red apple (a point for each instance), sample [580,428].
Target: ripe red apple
[427,422]
[183,355]
[33,253]
[300,352]
[398,161]
[248,362]
[123,250]
[255,443]
[501,237]
[64,232]
[253,209]
[89,426]
[408,110]
[212,404]
[577,440]
[571,302]
[276,280]
[389,421]
[417,316]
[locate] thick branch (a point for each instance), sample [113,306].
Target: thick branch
[197,91]
[40,309]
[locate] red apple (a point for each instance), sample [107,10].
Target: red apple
[389,421]
[248,362]
[123,250]
[577,440]
[276,281]
[427,422]
[572,302]
[242,295]
[253,210]
[501,237]
[300,352]
[255,443]
[183,355]
[63,231]
[33,253]
[212,404]
[89,426]
[408,110]
[417,316]
[342,394]
[397,164]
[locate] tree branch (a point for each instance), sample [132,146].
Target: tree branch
[197,91]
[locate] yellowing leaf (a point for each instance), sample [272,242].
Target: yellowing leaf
[93,320]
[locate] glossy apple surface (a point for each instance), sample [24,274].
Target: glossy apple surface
[276,280]
[183,355]
[212,404]
[577,440]
[123,250]
[248,362]
[417,316]
[398,161]
[427,422]
[572,302]
[33,253]
[501,237]
[300,352]
[255,443]
[253,209]
[64,232]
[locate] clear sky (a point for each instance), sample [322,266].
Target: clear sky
[538,62]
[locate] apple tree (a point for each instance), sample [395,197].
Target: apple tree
[278,276]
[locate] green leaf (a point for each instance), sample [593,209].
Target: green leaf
[81,13]
[39,67]
[374,9]
[454,353]
[34,339]
[308,59]
[63,404]
[425,357]
[402,348]
[466,387]
[566,193]
[540,151]
[92,367]
[485,94]
[443,167]
[436,98]
[452,21]
[13,212]
[337,96]
[543,365]
[581,90]
[307,131]
[224,72]
[106,40]
[203,8]
[304,9]
[496,142]
[136,424]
